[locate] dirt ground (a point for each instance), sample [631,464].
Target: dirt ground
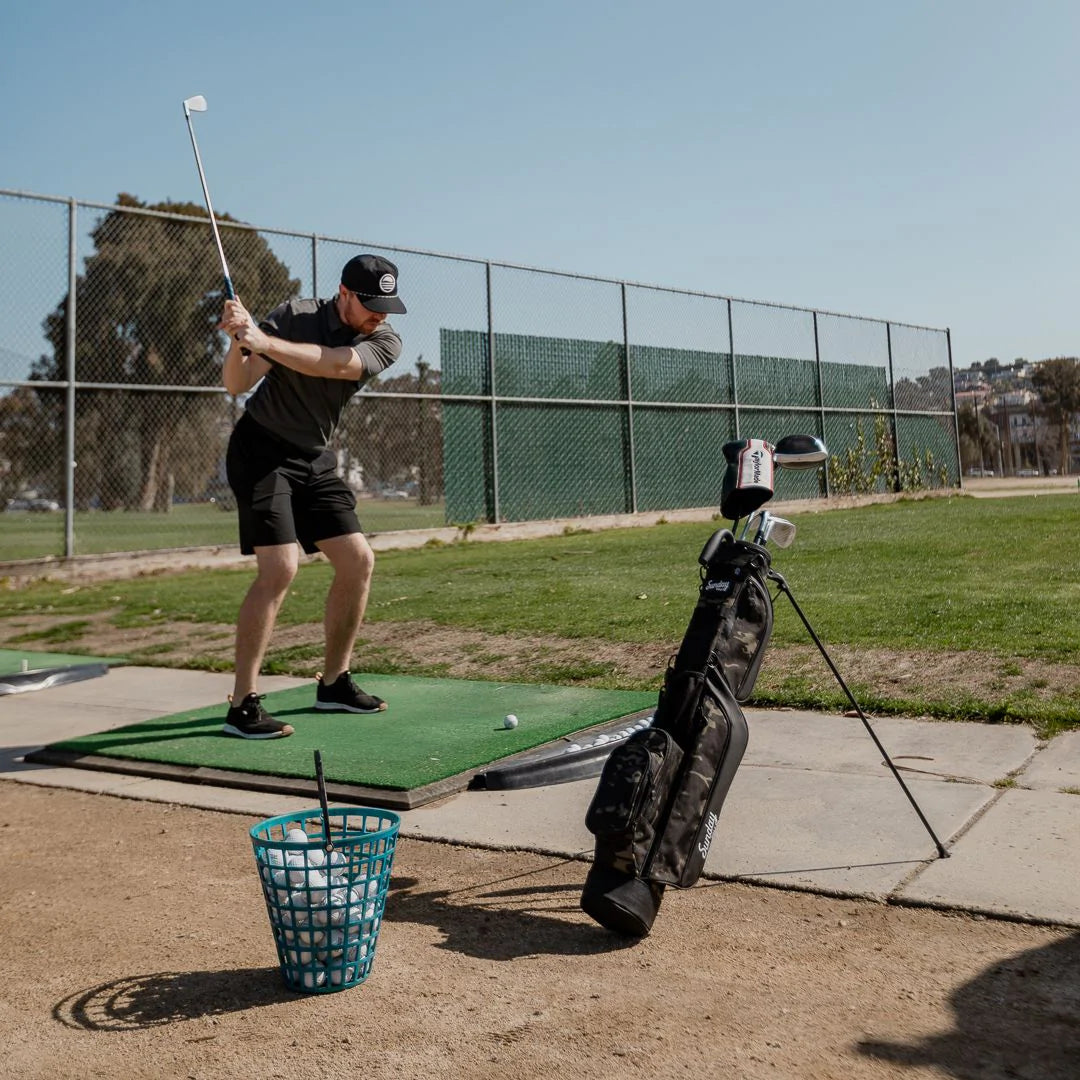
[137,945]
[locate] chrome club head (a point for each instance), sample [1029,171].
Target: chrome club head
[800,452]
[780,531]
[194,104]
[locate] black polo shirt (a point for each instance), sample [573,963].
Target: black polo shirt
[305,409]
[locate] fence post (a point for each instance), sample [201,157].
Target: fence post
[69,393]
[955,418]
[491,387]
[631,450]
[896,485]
[734,378]
[314,264]
[820,397]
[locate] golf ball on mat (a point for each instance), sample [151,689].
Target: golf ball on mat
[510,721]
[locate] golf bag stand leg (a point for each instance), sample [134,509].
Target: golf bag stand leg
[657,801]
[783,586]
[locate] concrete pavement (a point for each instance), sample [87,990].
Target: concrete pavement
[812,807]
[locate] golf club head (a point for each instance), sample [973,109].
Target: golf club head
[195,104]
[800,452]
[780,531]
[748,478]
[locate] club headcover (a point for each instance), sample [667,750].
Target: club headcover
[748,478]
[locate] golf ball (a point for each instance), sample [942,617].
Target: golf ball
[510,721]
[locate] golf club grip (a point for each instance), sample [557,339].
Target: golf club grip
[230,294]
[323,804]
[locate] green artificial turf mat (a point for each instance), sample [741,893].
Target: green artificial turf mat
[11,660]
[432,730]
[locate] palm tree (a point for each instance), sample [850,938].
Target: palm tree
[1057,382]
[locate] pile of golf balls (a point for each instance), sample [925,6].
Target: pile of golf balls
[325,922]
[612,737]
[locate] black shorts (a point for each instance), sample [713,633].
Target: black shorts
[284,494]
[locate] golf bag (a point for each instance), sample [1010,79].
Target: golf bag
[658,799]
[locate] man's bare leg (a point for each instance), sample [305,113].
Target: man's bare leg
[353,562]
[277,566]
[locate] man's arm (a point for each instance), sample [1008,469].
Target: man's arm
[351,362]
[307,358]
[241,372]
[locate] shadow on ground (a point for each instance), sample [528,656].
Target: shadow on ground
[146,1001]
[498,920]
[1018,1018]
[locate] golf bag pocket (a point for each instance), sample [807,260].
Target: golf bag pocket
[734,613]
[676,709]
[629,798]
[683,840]
[744,634]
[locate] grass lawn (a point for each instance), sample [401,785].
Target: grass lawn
[997,577]
[25,535]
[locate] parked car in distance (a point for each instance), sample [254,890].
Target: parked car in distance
[976,471]
[35,505]
[1027,472]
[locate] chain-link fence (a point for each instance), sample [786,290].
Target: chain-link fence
[521,394]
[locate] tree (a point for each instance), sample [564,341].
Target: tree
[399,440]
[1057,383]
[930,391]
[978,437]
[30,440]
[148,303]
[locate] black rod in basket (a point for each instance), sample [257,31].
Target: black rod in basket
[321,780]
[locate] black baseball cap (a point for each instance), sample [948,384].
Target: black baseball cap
[374,280]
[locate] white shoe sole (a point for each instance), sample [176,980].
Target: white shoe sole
[230,729]
[333,706]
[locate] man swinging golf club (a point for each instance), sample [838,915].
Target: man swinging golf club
[311,357]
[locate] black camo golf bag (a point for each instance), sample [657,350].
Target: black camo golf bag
[655,810]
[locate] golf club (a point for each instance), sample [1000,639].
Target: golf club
[799,452]
[198,104]
[748,478]
[764,527]
[780,531]
[752,523]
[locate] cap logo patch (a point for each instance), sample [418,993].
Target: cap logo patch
[387,283]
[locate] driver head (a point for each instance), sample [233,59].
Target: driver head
[800,452]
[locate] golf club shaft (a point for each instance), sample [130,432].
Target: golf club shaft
[230,292]
[320,779]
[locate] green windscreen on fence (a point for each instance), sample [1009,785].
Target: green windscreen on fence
[654,428]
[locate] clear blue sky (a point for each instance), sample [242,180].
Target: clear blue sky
[913,161]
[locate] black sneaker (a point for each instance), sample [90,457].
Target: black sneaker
[249,720]
[344,695]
